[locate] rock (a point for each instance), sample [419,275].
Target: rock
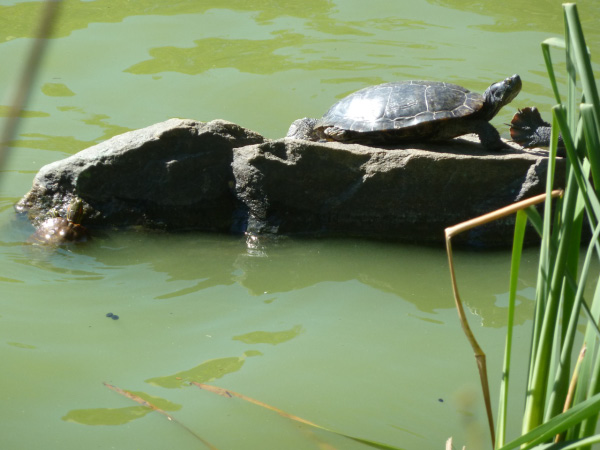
[174,175]
[290,186]
[218,176]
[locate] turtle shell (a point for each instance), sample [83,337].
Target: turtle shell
[406,109]
[61,230]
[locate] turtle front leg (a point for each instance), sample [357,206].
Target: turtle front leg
[489,137]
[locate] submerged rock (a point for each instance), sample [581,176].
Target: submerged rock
[217,176]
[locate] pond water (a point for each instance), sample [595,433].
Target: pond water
[358,336]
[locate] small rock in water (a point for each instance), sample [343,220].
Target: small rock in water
[109,314]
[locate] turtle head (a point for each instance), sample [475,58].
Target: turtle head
[500,94]
[75,211]
[303,129]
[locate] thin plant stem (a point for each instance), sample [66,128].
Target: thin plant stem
[29,72]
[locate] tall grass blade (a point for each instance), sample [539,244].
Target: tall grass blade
[591,201]
[591,369]
[548,248]
[535,219]
[546,46]
[570,445]
[592,138]
[543,346]
[571,103]
[519,236]
[581,56]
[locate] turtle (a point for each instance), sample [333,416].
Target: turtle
[528,129]
[61,230]
[396,112]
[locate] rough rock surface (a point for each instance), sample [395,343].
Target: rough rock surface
[175,175]
[292,186]
[218,176]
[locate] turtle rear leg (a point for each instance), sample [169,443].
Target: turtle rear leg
[339,134]
[528,129]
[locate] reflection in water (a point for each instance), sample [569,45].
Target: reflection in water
[19,18]
[354,303]
[255,245]
[197,287]
[119,416]
[244,55]
[40,141]
[207,371]
[269,337]
[10,280]
[68,145]
[106,416]
[5,112]
[416,274]
[57,90]
[21,345]
[54,260]
[541,15]
[195,262]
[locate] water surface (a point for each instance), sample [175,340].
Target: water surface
[358,336]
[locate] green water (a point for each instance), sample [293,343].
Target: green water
[358,336]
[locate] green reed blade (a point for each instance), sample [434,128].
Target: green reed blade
[535,220]
[519,237]
[548,252]
[581,55]
[571,65]
[578,444]
[588,426]
[557,424]
[569,445]
[591,200]
[561,380]
[592,138]
[585,308]
[548,246]
[543,347]
[546,45]
[590,341]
